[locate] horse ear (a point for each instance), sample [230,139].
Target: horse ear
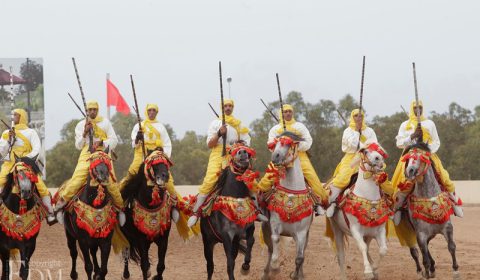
[107,150]
[17,159]
[35,158]
[149,152]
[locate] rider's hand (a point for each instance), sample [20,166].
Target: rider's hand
[97,144]
[222,131]
[88,126]
[139,137]
[11,133]
[418,133]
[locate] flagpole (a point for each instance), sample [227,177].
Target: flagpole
[108,107]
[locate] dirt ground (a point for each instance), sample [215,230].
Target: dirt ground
[51,259]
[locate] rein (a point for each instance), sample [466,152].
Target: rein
[422,156]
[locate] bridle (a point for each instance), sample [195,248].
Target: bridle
[418,155]
[292,151]
[155,158]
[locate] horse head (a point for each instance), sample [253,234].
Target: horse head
[373,158]
[156,168]
[101,167]
[284,148]
[417,161]
[241,156]
[25,177]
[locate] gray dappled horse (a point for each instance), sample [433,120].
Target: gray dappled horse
[292,187]
[428,191]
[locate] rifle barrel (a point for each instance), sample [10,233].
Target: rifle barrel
[270,111]
[139,120]
[281,103]
[224,149]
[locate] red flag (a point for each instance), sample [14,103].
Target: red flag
[114,98]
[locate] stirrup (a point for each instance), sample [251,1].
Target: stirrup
[331,209]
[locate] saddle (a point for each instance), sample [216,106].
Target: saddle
[153,222]
[291,206]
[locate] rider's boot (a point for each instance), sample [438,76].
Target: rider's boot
[260,216]
[175,215]
[47,201]
[457,206]
[399,201]
[121,218]
[194,218]
[332,200]
[59,209]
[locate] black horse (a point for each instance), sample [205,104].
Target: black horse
[232,195]
[22,214]
[93,203]
[149,213]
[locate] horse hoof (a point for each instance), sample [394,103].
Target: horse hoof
[149,273]
[265,276]
[125,276]
[432,274]
[369,276]
[245,269]
[456,275]
[74,275]
[275,270]
[156,277]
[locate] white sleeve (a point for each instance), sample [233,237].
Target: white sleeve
[213,129]
[305,134]
[112,139]
[272,134]
[350,140]
[134,134]
[245,137]
[435,145]
[4,145]
[371,137]
[167,143]
[79,140]
[403,137]
[36,144]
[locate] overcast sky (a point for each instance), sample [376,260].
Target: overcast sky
[172,48]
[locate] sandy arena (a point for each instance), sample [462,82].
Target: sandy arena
[186,261]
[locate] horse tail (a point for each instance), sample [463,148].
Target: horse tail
[129,231]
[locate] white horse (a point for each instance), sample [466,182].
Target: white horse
[370,224]
[290,205]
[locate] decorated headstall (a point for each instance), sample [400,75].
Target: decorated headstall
[98,158]
[380,176]
[286,141]
[416,155]
[247,175]
[19,170]
[156,157]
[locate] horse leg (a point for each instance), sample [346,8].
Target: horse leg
[362,246]
[432,263]
[448,234]
[126,272]
[96,267]
[267,238]
[248,255]
[208,245]
[422,241]
[105,248]
[86,259]
[301,240]
[340,248]
[6,265]
[72,247]
[414,254]
[24,263]
[162,244]
[228,246]
[144,261]
[381,239]
[274,263]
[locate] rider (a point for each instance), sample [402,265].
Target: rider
[103,137]
[233,131]
[27,144]
[308,171]
[409,131]
[356,136]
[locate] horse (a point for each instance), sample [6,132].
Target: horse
[21,215]
[290,204]
[149,212]
[234,210]
[363,211]
[90,218]
[429,208]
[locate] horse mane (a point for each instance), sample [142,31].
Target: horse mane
[292,136]
[32,163]
[221,180]
[421,145]
[132,186]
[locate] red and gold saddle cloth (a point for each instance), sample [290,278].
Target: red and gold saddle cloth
[99,223]
[21,226]
[369,213]
[434,210]
[241,211]
[291,206]
[153,222]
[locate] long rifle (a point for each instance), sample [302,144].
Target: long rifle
[87,119]
[405,111]
[224,149]
[281,104]
[215,112]
[76,104]
[270,111]
[342,117]
[361,101]
[13,138]
[417,112]
[138,116]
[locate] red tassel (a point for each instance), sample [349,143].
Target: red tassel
[155,197]
[23,207]
[100,197]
